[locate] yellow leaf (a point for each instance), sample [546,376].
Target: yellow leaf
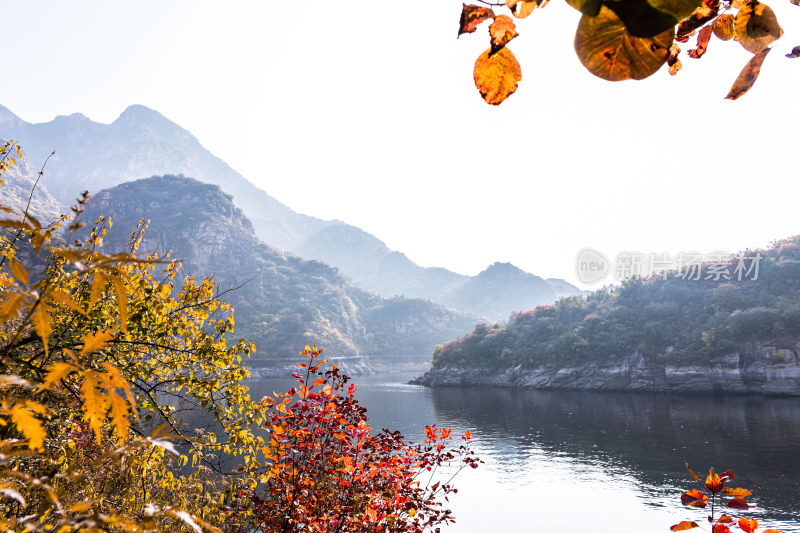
[95,403]
[723,27]
[122,301]
[57,372]
[497,75]
[115,380]
[11,306]
[81,507]
[65,300]
[29,425]
[18,271]
[119,416]
[43,323]
[96,341]
[98,284]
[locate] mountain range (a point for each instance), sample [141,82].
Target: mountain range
[281,302]
[141,143]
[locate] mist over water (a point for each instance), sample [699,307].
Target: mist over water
[575,461]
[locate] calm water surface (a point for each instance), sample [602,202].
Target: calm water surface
[600,462]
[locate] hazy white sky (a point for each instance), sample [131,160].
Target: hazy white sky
[365,111]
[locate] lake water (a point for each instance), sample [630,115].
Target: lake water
[600,462]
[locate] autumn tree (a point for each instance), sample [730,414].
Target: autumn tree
[326,470]
[627,39]
[105,358]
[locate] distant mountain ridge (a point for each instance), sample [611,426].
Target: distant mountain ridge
[284,302]
[503,288]
[494,293]
[367,260]
[141,142]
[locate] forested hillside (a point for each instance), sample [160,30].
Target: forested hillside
[281,301]
[684,319]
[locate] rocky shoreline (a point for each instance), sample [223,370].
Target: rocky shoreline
[763,370]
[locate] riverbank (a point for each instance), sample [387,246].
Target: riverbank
[763,370]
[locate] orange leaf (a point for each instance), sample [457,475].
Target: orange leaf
[702,42]
[471,17]
[521,8]
[723,27]
[502,31]
[497,75]
[694,498]
[713,482]
[724,519]
[748,76]
[720,528]
[96,341]
[692,472]
[772,531]
[748,525]
[742,493]
[681,526]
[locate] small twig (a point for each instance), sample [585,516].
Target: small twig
[25,214]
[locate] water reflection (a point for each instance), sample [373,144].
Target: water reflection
[601,462]
[646,436]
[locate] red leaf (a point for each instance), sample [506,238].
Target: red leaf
[739,503]
[702,42]
[694,498]
[727,475]
[720,528]
[471,17]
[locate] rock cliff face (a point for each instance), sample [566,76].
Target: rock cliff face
[757,369]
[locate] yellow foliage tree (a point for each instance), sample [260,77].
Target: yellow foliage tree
[100,355]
